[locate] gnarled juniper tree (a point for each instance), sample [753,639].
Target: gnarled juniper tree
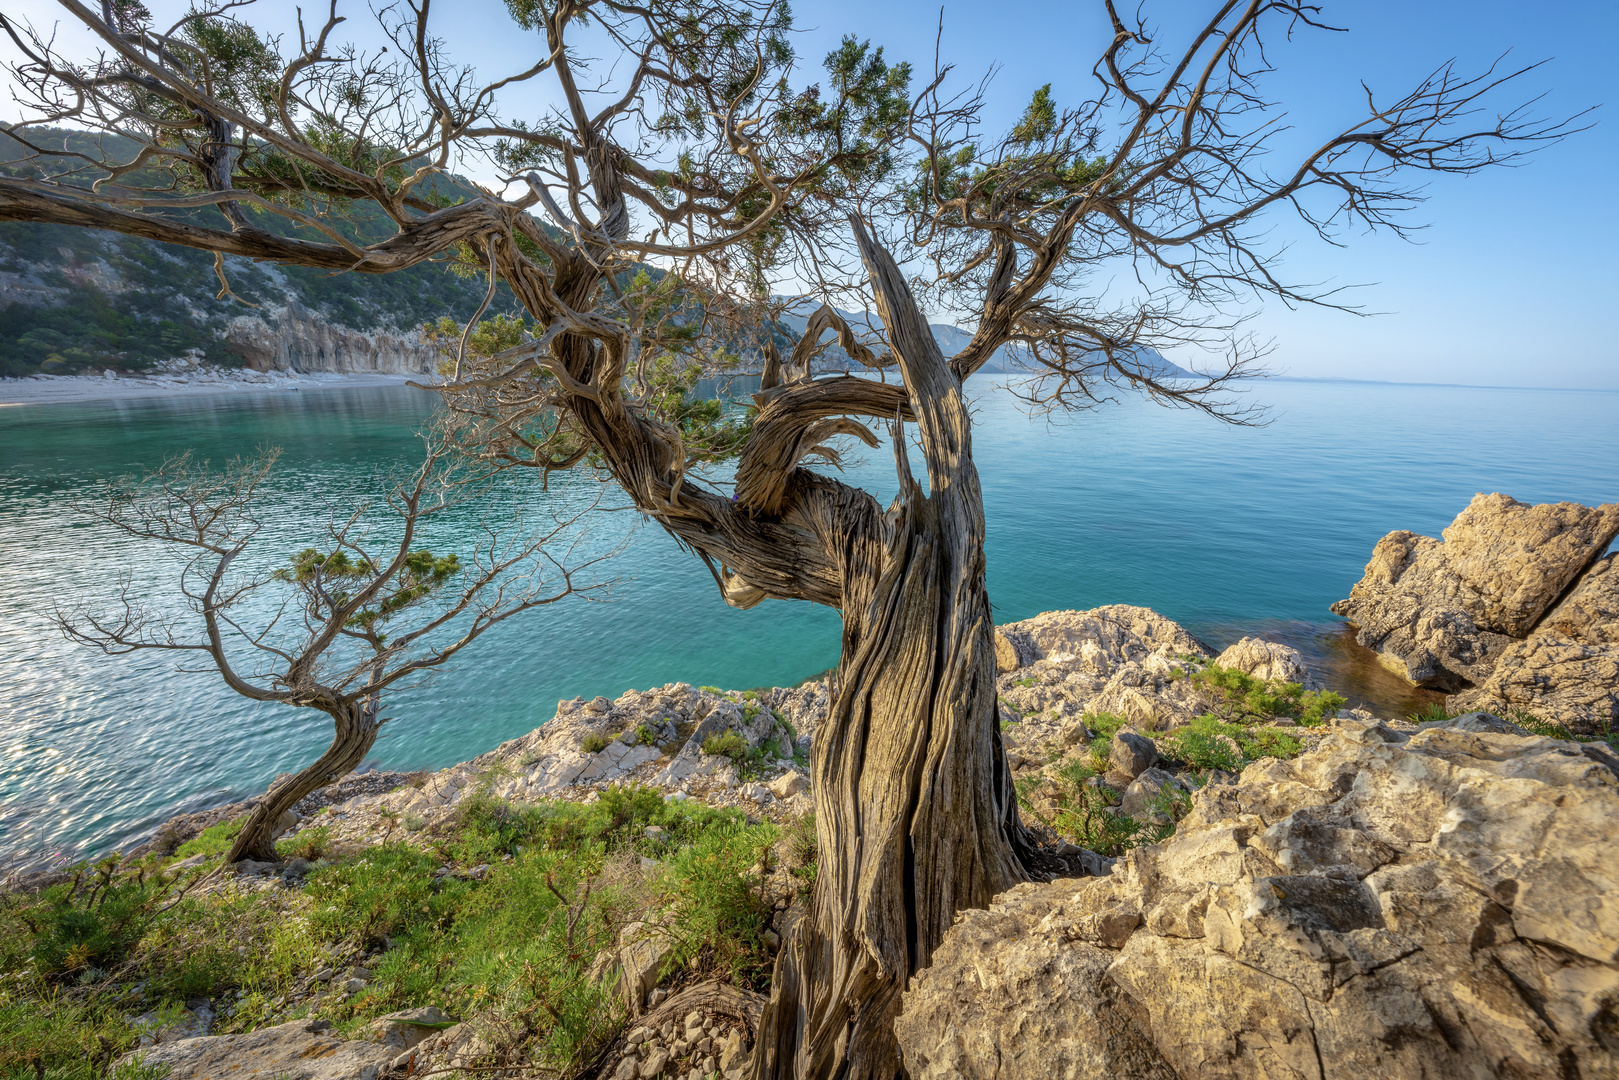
[335,628]
[644,227]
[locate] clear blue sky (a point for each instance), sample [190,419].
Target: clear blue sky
[1510,284]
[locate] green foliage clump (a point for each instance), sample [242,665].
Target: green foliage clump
[727,744]
[644,735]
[308,844]
[715,888]
[1238,694]
[323,577]
[594,742]
[1086,814]
[804,849]
[1211,743]
[498,915]
[214,840]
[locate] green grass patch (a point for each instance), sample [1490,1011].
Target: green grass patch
[308,844]
[594,742]
[214,840]
[727,744]
[514,942]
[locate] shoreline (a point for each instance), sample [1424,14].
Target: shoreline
[75,389]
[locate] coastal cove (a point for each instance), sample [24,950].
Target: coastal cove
[1227,531]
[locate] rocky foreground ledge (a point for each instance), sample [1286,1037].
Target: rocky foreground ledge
[1392,905]
[1314,892]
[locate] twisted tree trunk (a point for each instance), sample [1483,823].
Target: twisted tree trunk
[915,809]
[914,805]
[356,729]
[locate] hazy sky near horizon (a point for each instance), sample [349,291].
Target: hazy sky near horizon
[1512,281]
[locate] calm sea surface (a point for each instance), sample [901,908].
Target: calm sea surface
[1229,531]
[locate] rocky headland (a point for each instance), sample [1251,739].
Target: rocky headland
[1242,878]
[1517,608]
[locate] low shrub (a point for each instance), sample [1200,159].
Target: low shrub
[513,942]
[1209,742]
[1238,695]
[727,744]
[308,844]
[594,742]
[715,889]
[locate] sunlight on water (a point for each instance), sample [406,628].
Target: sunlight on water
[1229,531]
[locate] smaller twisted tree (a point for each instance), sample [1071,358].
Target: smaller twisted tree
[337,626]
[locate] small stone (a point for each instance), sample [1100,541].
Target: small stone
[354,986]
[628,1069]
[732,1056]
[654,1063]
[788,785]
[323,975]
[1131,754]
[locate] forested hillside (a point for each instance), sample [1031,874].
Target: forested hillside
[74,299]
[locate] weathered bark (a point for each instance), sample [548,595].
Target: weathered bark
[914,805]
[356,729]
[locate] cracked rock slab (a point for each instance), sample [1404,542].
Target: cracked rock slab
[285,1052]
[1393,905]
[1441,613]
[1567,672]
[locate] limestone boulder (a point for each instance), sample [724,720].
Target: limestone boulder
[1113,634]
[1130,755]
[297,1051]
[1117,659]
[1268,660]
[1567,671]
[407,1029]
[636,962]
[1391,905]
[1442,612]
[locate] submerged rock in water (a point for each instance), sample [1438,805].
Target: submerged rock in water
[1443,612]
[1444,903]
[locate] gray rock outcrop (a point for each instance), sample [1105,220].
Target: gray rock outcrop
[1438,904]
[1114,659]
[296,1051]
[1567,670]
[1441,613]
[294,339]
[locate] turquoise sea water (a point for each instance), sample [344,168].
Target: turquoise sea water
[1228,531]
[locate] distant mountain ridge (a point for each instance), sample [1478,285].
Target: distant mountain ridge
[1007,360]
